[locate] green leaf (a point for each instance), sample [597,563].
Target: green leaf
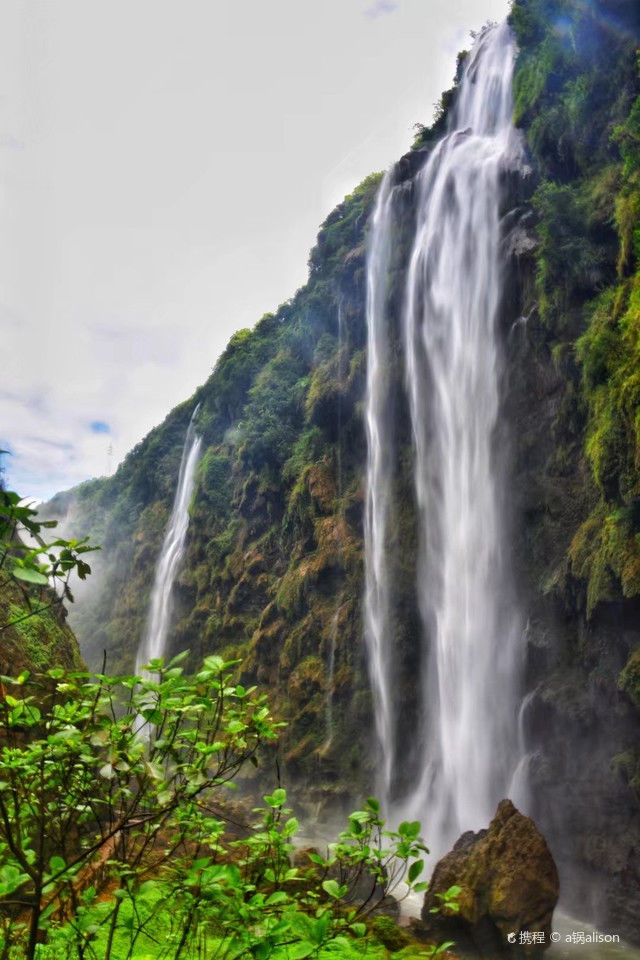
[344,943]
[89,895]
[30,575]
[216,664]
[297,951]
[236,726]
[56,865]
[321,928]
[279,896]
[290,827]
[415,870]
[277,798]
[333,888]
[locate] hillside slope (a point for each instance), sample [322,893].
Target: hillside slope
[34,641]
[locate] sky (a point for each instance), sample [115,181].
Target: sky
[164,168]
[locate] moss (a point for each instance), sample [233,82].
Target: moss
[389,933]
[326,394]
[307,678]
[629,680]
[34,641]
[606,549]
[577,97]
[627,765]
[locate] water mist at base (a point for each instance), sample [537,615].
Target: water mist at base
[471,645]
[154,642]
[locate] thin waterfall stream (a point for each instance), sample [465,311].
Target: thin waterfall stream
[471,643]
[154,641]
[377,599]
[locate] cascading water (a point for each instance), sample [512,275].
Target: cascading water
[379,483]
[154,642]
[472,633]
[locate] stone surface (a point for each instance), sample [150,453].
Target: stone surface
[509,885]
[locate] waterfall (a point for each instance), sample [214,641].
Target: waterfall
[379,484]
[471,643]
[331,677]
[454,284]
[154,642]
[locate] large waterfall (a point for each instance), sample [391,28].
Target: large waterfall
[154,642]
[471,632]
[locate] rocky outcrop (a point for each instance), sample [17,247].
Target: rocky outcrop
[509,886]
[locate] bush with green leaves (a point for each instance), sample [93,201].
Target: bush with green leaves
[370,863]
[113,835]
[40,567]
[111,778]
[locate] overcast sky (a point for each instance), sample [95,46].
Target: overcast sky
[164,167]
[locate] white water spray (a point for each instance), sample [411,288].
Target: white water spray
[154,642]
[470,686]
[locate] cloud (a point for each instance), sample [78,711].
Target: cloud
[44,441]
[380,8]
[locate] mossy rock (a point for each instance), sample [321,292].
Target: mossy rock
[387,931]
[508,880]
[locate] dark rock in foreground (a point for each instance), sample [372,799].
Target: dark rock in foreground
[509,887]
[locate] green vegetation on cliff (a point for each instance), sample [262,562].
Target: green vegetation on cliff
[273,567]
[577,97]
[35,573]
[34,641]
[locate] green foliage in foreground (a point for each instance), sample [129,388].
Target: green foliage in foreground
[113,842]
[39,566]
[36,567]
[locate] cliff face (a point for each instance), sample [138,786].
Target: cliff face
[572,399]
[273,570]
[274,564]
[34,642]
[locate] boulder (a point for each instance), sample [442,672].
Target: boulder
[509,889]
